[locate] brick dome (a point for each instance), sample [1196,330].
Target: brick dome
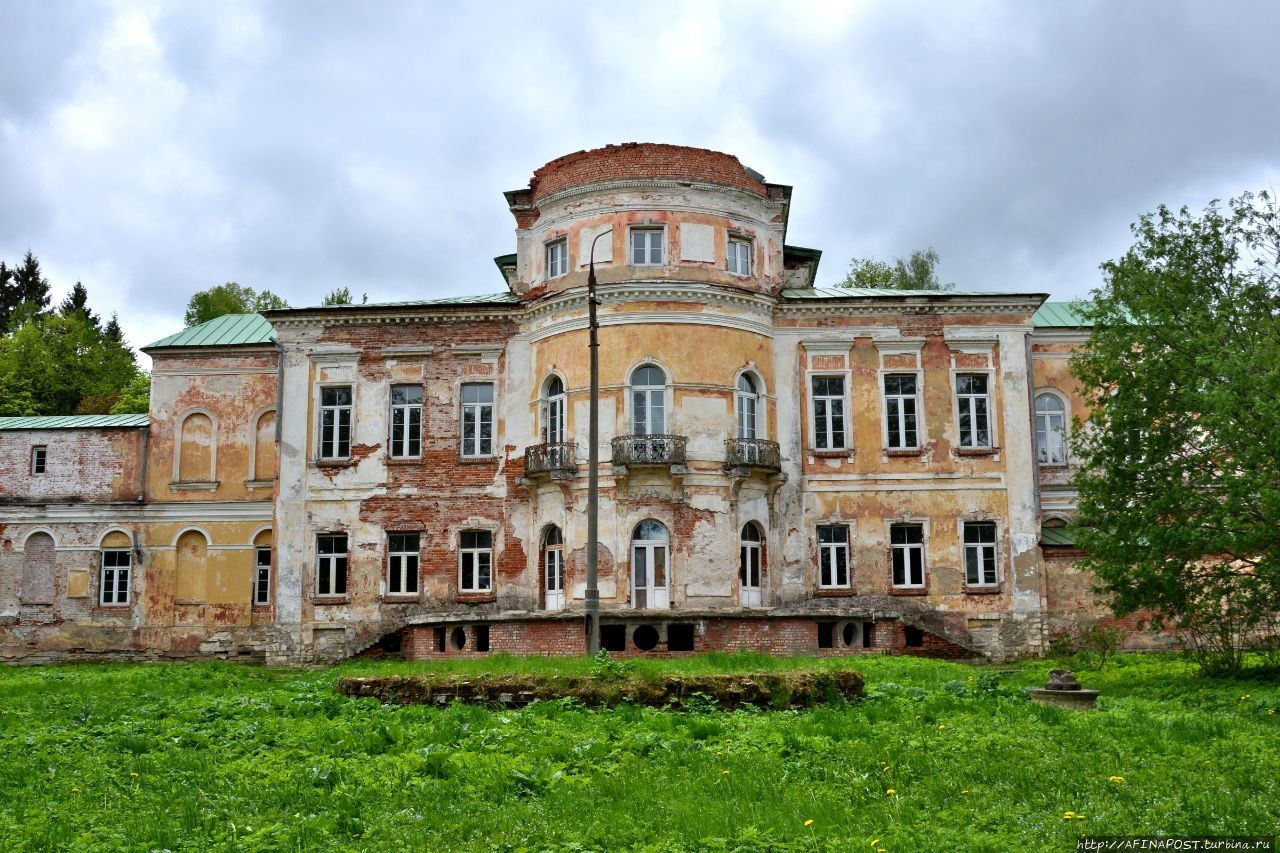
[641,160]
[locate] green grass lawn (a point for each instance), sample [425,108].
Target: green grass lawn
[937,757]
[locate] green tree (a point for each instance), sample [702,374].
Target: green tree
[1179,505]
[917,272]
[342,296]
[136,397]
[24,292]
[228,298]
[78,300]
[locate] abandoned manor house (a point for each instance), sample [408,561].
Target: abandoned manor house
[783,467]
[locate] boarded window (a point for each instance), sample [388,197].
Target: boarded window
[38,570]
[193,554]
[264,447]
[195,449]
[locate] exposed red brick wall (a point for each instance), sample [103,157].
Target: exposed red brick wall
[642,160]
[81,465]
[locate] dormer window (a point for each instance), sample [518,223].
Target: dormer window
[557,258]
[647,247]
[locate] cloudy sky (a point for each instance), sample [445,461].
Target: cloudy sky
[152,149]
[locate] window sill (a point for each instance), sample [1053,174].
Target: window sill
[189,602]
[1053,466]
[476,597]
[259,484]
[404,460]
[261,608]
[993,589]
[477,460]
[328,599]
[909,590]
[835,592]
[333,463]
[831,454]
[401,598]
[902,452]
[208,486]
[975,451]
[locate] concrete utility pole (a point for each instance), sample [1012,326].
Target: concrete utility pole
[592,594]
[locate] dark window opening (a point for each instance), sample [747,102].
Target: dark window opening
[613,638]
[866,634]
[645,638]
[481,633]
[679,638]
[458,638]
[440,639]
[826,635]
[914,637]
[848,633]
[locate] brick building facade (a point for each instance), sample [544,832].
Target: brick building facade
[784,468]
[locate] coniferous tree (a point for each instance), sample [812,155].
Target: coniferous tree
[78,300]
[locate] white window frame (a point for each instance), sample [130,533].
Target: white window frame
[332,567]
[832,556]
[115,582]
[750,559]
[477,559]
[747,408]
[557,256]
[985,555]
[39,460]
[898,400]
[843,399]
[1043,426]
[969,440]
[903,552]
[262,575]
[408,444]
[738,251]
[553,568]
[647,553]
[551,411]
[650,232]
[655,397]
[403,560]
[482,412]
[335,448]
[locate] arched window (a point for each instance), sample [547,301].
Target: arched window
[748,399]
[262,553]
[553,568]
[648,401]
[1051,430]
[750,565]
[191,569]
[649,566]
[195,459]
[264,447]
[553,411]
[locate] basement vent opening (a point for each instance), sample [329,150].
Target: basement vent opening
[458,639]
[645,638]
[679,637]
[613,638]
[826,635]
[866,634]
[440,634]
[848,633]
[482,638]
[913,636]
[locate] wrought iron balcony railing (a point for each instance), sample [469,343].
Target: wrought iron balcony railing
[649,450]
[752,453]
[556,459]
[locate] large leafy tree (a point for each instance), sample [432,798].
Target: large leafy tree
[917,272]
[1179,503]
[228,298]
[24,292]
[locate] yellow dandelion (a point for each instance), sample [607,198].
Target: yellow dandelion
[1119,780]
[965,791]
[75,790]
[1079,817]
[875,841]
[1244,698]
[891,792]
[1068,815]
[134,775]
[942,725]
[885,769]
[809,822]
[724,772]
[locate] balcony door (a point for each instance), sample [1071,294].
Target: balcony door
[553,569]
[649,566]
[749,567]
[648,401]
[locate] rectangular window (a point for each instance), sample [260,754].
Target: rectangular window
[973,402]
[557,258]
[475,561]
[402,563]
[406,420]
[646,247]
[38,455]
[477,419]
[833,556]
[335,422]
[900,409]
[114,588]
[262,575]
[906,546]
[828,413]
[331,564]
[980,553]
[738,257]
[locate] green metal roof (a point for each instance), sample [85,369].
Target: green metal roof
[1061,315]
[229,330]
[875,292]
[1062,536]
[76,422]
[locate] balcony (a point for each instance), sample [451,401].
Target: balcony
[635,450]
[752,453]
[556,460]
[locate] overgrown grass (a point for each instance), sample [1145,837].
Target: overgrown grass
[937,757]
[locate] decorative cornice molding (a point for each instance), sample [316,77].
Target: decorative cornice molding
[601,187]
[856,306]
